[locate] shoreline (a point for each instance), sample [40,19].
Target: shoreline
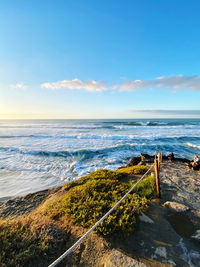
[9,205]
[149,157]
[165,241]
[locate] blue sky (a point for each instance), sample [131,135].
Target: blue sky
[99,59]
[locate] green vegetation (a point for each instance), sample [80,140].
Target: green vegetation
[23,245]
[96,193]
[25,241]
[134,170]
[99,174]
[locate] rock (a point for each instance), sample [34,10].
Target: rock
[171,156]
[176,206]
[145,218]
[134,161]
[171,262]
[196,235]
[196,167]
[117,259]
[184,160]
[194,254]
[146,158]
[161,251]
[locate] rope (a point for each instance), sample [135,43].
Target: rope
[67,252]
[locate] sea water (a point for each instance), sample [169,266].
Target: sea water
[40,154]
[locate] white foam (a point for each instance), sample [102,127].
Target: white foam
[193,145]
[44,154]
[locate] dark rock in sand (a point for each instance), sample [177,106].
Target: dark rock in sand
[171,156]
[196,167]
[184,160]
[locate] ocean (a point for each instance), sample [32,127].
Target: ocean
[40,154]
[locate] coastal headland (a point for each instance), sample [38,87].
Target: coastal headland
[144,231]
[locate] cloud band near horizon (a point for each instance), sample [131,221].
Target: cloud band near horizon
[166,111]
[174,82]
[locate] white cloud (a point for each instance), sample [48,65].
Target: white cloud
[175,82]
[191,83]
[18,86]
[76,84]
[167,111]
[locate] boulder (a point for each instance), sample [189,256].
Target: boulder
[134,161]
[196,167]
[184,160]
[171,156]
[145,156]
[176,206]
[161,251]
[116,259]
[145,218]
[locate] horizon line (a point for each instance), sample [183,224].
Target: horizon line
[136,118]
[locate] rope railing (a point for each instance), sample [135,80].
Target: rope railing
[67,252]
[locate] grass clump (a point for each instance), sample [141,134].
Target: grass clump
[19,246]
[146,188]
[134,170]
[99,174]
[87,202]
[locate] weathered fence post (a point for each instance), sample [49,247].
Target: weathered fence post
[157,177]
[159,159]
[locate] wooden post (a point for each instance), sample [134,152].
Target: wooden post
[159,159]
[161,156]
[157,178]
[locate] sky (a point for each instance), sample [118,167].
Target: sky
[99,59]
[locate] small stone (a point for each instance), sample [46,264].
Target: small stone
[171,262]
[196,235]
[176,206]
[194,254]
[145,218]
[161,251]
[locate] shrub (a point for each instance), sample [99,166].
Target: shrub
[28,240]
[19,246]
[138,169]
[146,188]
[87,202]
[99,174]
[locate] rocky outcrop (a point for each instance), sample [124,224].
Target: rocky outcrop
[176,206]
[146,158]
[134,161]
[116,259]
